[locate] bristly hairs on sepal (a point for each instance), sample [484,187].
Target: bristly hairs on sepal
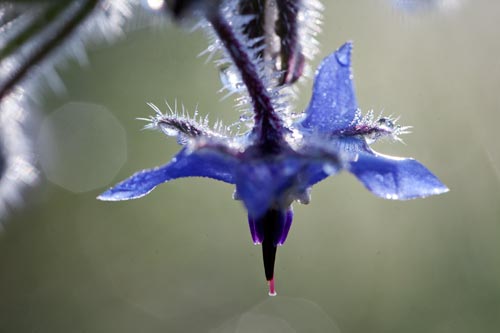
[183,125]
[374,128]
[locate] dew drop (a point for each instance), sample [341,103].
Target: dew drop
[344,54]
[370,138]
[386,124]
[168,130]
[392,196]
[230,79]
[304,197]
[153,4]
[329,169]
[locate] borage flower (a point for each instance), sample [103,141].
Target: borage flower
[280,159]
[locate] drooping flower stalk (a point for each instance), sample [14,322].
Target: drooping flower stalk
[268,126]
[268,130]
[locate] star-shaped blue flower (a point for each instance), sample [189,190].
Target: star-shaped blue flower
[279,160]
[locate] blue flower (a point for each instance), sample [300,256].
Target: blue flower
[279,160]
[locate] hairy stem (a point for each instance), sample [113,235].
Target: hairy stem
[287,29]
[47,16]
[268,126]
[257,29]
[44,50]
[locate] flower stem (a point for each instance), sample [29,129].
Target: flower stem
[287,29]
[268,125]
[256,8]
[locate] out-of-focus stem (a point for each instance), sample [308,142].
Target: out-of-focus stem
[48,46]
[257,29]
[287,29]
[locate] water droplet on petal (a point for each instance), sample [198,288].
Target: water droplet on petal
[343,54]
[329,169]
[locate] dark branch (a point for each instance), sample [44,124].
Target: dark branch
[44,50]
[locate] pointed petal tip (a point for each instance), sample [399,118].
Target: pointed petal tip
[440,189]
[333,105]
[343,54]
[424,192]
[105,196]
[437,190]
[116,194]
[102,197]
[396,178]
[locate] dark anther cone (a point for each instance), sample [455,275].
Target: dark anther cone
[272,224]
[269,256]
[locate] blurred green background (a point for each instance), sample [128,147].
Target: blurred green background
[182,260]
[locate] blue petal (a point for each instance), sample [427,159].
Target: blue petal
[323,161]
[285,227]
[275,183]
[256,230]
[274,224]
[396,178]
[318,172]
[333,104]
[263,184]
[184,164]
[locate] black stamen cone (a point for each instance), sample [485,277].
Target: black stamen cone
[270,222]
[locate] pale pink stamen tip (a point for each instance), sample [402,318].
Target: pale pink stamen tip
[272,291]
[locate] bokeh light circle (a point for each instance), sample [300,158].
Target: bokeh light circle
[281,314]
[82,147]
